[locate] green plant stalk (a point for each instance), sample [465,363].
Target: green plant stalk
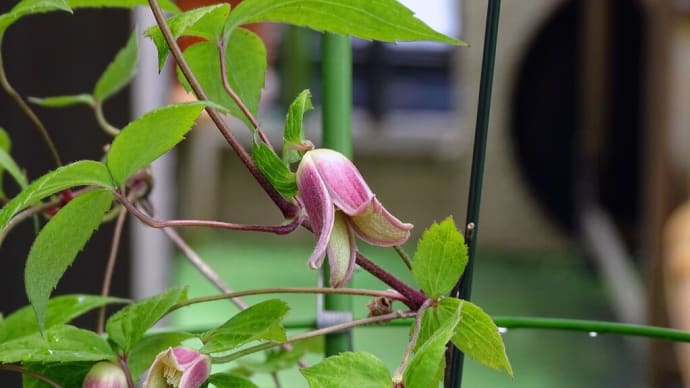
[463,289]
[9,89]
[336,60]
[589,326]
[102,121]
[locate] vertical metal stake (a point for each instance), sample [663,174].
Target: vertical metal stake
[463,289]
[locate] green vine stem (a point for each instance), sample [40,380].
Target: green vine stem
[589,326]
[102,121]
[12,92]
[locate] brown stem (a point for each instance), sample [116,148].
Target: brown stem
[110,267]
[122,360]
[156,223]
[202,267]
[12,92]
[413,298]
[315,333]
[288,209]
[291,290]
[29,372]
[240,104]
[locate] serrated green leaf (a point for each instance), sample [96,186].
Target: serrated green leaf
[346,370]
[166,5]
[119,72]
[246,70]
[81,173]
[440,258]
[477,336]
[204,22]
[428,359]
[62,343]
[294,126]
[61,309]
[229,380]
[127,326]
[277,173]
[30,7]
[67,374]
[145,351]
[145,139]
[62,101]
[58,243]
[259,322]
[383,20]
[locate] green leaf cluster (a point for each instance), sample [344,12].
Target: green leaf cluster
[126,327]
[21,341]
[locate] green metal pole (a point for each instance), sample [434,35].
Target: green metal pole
[463,288]
[336,57]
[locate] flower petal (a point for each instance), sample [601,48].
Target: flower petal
[345,184]
[318,205]
[196,373]
[341,251]
[378,227]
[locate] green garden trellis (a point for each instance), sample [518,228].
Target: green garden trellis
[337,135]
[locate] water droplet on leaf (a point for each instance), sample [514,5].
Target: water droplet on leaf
[593,334]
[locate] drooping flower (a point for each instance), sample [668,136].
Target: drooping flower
[178,367]
[340,205]
[105,374]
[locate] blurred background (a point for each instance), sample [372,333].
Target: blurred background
[587,162]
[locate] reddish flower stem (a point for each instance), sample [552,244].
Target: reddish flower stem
[414,298]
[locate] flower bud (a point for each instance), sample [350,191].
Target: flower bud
[105,374]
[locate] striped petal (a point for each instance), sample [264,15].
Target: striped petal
[318,205]
[345,184]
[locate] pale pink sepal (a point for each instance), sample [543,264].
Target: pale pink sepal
[349,191]
[377,226]
[178,367]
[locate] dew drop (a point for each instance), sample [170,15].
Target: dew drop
[50,351]
[81,299]
[593,334]
[502,330]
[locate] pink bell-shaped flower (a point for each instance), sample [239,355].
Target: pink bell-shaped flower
[178,367]
[340,205]
[105,374]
